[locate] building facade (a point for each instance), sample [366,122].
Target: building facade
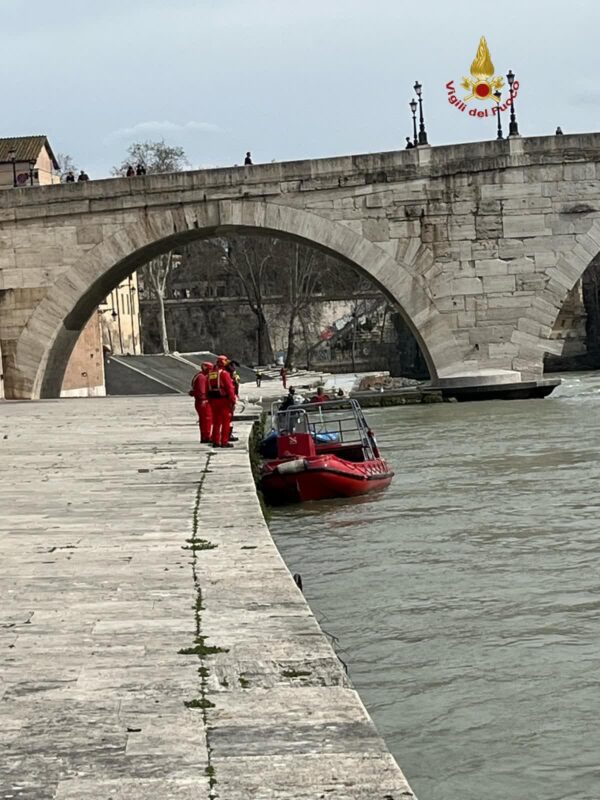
[120,319]
[27,161]
[113,329]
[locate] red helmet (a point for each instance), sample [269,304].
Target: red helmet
[222,361]
[205,366]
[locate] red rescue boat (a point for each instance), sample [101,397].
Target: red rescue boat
[323,450]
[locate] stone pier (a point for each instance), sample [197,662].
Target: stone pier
[154,644]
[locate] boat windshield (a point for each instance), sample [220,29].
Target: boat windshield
[334,425]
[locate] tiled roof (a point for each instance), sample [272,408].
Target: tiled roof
[27,148]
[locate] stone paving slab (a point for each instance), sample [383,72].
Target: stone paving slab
[123,542]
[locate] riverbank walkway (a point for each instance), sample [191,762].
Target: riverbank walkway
[154,644]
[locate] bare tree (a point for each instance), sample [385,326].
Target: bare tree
[155,274]
[250,260]
[65,165]
[304,276]
[308,274]
[156,157]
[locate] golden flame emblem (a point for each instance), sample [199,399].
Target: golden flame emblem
[483,83]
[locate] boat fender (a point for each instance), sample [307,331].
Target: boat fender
[289,467]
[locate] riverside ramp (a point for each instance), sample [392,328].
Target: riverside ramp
[154,644]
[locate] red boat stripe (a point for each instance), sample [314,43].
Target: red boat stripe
[374,477]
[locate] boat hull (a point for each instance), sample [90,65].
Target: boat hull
[322,478]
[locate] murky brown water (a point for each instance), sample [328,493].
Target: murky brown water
[467,597]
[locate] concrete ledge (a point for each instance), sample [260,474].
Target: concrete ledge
[367,169]
[155,644]
[481,377]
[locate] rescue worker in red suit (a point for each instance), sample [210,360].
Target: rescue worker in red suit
[199,391]
[221,398]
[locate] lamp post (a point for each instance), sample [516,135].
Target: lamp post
[413,108]
[513,128]
[31,168]
[422,132]
[12,156]
[498,96]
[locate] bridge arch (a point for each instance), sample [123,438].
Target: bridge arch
[47,340]
[570,264]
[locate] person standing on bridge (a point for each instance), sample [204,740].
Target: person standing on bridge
[248,159]
[130,171]
[83,176]
[221,398]
[199,392]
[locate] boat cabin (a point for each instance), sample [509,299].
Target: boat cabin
[336,427]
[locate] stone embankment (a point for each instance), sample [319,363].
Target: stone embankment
[154,644]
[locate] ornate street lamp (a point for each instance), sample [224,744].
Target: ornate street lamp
[413,108]
[12,156]
[498,96]
[422,132]
[513,128]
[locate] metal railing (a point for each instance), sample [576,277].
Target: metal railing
[331,422]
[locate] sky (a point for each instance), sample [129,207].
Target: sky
[282,78]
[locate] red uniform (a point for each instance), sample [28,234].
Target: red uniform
[203,409]
[221,398]
[319,398]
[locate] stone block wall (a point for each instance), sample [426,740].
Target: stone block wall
[84,375]
[477,244]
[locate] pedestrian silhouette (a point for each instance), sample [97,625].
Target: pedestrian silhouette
[558,131]
[409,144]
[248,159]
[83,176]
[140,169]
[130,171]
[70,177]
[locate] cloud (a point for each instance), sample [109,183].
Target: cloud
[585,98]
[155,127]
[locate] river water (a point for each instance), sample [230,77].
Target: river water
[466,598]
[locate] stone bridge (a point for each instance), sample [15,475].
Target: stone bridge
[477,244]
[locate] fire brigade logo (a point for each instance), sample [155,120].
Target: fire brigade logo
[481,86]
